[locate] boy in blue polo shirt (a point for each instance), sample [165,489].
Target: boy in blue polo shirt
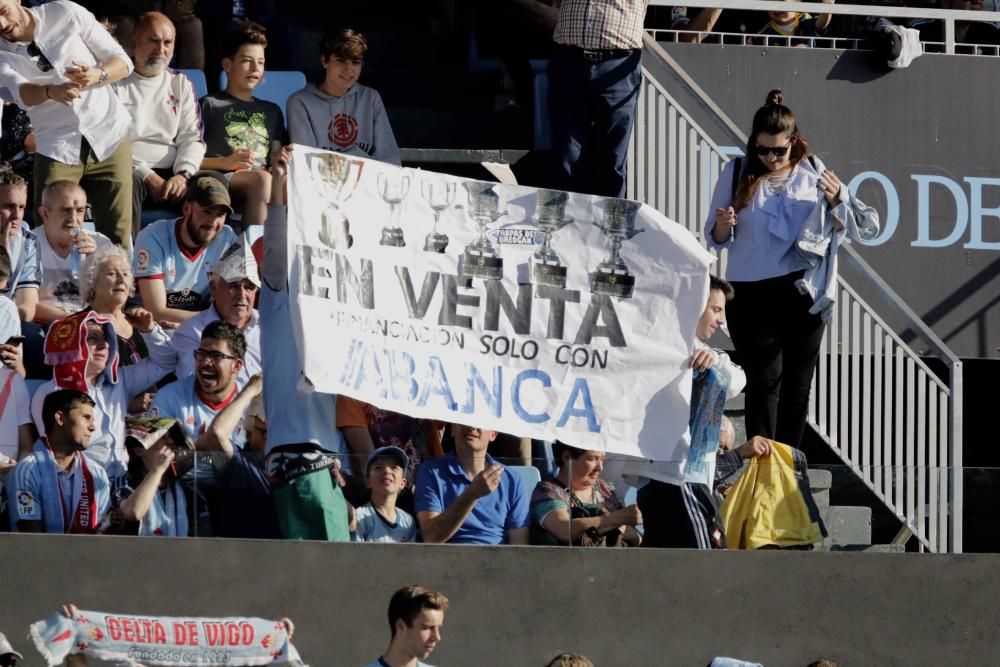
[466,497]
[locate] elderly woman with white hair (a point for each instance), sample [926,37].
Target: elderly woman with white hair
[106,283]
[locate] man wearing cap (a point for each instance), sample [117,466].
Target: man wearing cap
[172,257]
[379,520]
[8,656]
[198,398]
[166,124]
[233,284]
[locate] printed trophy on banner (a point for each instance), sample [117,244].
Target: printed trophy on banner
[481,258]
[439,195]
[550,217]
[612,276]
[393,191]
[335,177]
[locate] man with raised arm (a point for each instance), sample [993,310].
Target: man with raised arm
[303,442]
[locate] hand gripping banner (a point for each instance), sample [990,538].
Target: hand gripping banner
[533,312]
[151,640]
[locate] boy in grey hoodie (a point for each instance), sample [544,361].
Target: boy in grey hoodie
[340,114]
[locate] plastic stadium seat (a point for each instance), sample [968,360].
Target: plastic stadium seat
[151,215]
[529,475]
[276,87]
[197,80]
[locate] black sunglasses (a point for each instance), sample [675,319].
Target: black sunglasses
[776,151]
[42,62]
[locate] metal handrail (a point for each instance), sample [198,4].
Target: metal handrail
[673,166]
[949,16]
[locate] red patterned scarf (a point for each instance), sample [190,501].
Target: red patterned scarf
[66,350]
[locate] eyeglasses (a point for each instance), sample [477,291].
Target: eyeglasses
[776,151]
[216,357]
[42,62]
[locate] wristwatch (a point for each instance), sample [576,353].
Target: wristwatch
[104,77]
[183,172]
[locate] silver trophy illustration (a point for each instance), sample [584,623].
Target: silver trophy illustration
[550,217]
[393,192]
[335,177]
[612,276]
[481,259]
[439,195]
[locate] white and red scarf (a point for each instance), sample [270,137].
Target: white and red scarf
[152,640]
[79,515]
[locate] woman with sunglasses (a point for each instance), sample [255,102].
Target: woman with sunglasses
[758,217]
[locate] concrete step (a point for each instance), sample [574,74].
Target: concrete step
[822,499]
[871,548]
[847,525]
[820,480]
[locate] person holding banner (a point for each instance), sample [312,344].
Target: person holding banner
[303,443]
[758,214]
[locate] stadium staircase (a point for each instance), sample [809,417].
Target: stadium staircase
[888,409]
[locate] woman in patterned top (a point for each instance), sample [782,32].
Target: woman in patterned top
[578,504]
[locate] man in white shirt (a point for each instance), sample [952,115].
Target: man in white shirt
[166,125]
[57,62]
[234,283]
[62,246]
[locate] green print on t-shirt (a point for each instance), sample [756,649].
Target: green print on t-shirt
[247,132]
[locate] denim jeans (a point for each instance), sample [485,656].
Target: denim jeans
[591,109]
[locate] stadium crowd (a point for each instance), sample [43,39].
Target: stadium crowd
[188,318]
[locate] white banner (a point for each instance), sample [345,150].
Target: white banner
[438,297]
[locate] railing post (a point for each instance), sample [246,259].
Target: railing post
[949,35]
[957,470]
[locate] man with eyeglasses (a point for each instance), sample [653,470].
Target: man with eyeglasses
[233,283]
[197,399]
[58,63]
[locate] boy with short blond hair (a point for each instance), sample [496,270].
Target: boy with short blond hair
[380,520]
[340,114]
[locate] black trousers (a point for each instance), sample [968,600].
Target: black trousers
[777,343]
[679,517]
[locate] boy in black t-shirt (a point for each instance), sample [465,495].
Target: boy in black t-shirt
[241,131]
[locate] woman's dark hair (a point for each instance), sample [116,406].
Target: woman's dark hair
[559,448]
[772,118]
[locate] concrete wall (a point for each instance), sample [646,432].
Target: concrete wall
[520,606]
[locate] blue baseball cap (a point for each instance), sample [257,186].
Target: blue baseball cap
[394,452]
